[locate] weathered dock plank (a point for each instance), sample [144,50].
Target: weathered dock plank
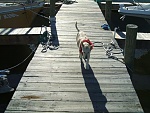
[56,81]
[142,40]
[65,87]
[140,36]
[74,107]
[74,96]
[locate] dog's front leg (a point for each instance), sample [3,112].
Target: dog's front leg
[87,61]
[87,64]
[80,55]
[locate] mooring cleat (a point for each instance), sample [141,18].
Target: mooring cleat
[4,85]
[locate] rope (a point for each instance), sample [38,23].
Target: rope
[109,51]
[39,14]
[20,62]
[34,48]
[139,4]
[45,40]
[109,47]
[34,11]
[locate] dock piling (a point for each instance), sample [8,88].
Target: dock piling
[4,85]
[53,19]
[130,45]
[52,8]
[108,8]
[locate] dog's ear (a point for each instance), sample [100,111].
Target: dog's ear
[82,44]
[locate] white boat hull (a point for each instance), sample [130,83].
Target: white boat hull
[142,11]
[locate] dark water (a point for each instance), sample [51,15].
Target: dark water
[10,56]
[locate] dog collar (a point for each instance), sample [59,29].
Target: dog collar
[88,41]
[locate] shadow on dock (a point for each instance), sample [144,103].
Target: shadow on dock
[95,93]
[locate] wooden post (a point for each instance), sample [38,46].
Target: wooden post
[130,45]
[52,8]
[53,19]
[108,8]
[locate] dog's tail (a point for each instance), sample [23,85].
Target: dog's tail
[77,27]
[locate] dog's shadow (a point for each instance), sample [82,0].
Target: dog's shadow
[92,85]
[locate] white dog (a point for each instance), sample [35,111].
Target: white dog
[85,46]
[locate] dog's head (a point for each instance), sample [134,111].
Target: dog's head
[86,47]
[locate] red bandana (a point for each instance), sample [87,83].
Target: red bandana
[88,41]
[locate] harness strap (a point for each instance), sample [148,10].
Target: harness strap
[88,41]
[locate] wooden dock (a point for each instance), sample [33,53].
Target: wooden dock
[140,36]
[56,81]
[142,40]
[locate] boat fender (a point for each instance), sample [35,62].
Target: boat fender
[105,27]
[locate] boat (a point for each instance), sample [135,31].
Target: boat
[140,10]
[14,15]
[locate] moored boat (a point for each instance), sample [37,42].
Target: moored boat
[18,14]
[139,10]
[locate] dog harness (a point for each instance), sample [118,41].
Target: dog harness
[88,41]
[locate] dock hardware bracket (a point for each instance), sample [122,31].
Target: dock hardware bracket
[4,85]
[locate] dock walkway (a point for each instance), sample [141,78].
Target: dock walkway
[56,81]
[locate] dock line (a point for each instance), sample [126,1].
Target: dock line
[21,61]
